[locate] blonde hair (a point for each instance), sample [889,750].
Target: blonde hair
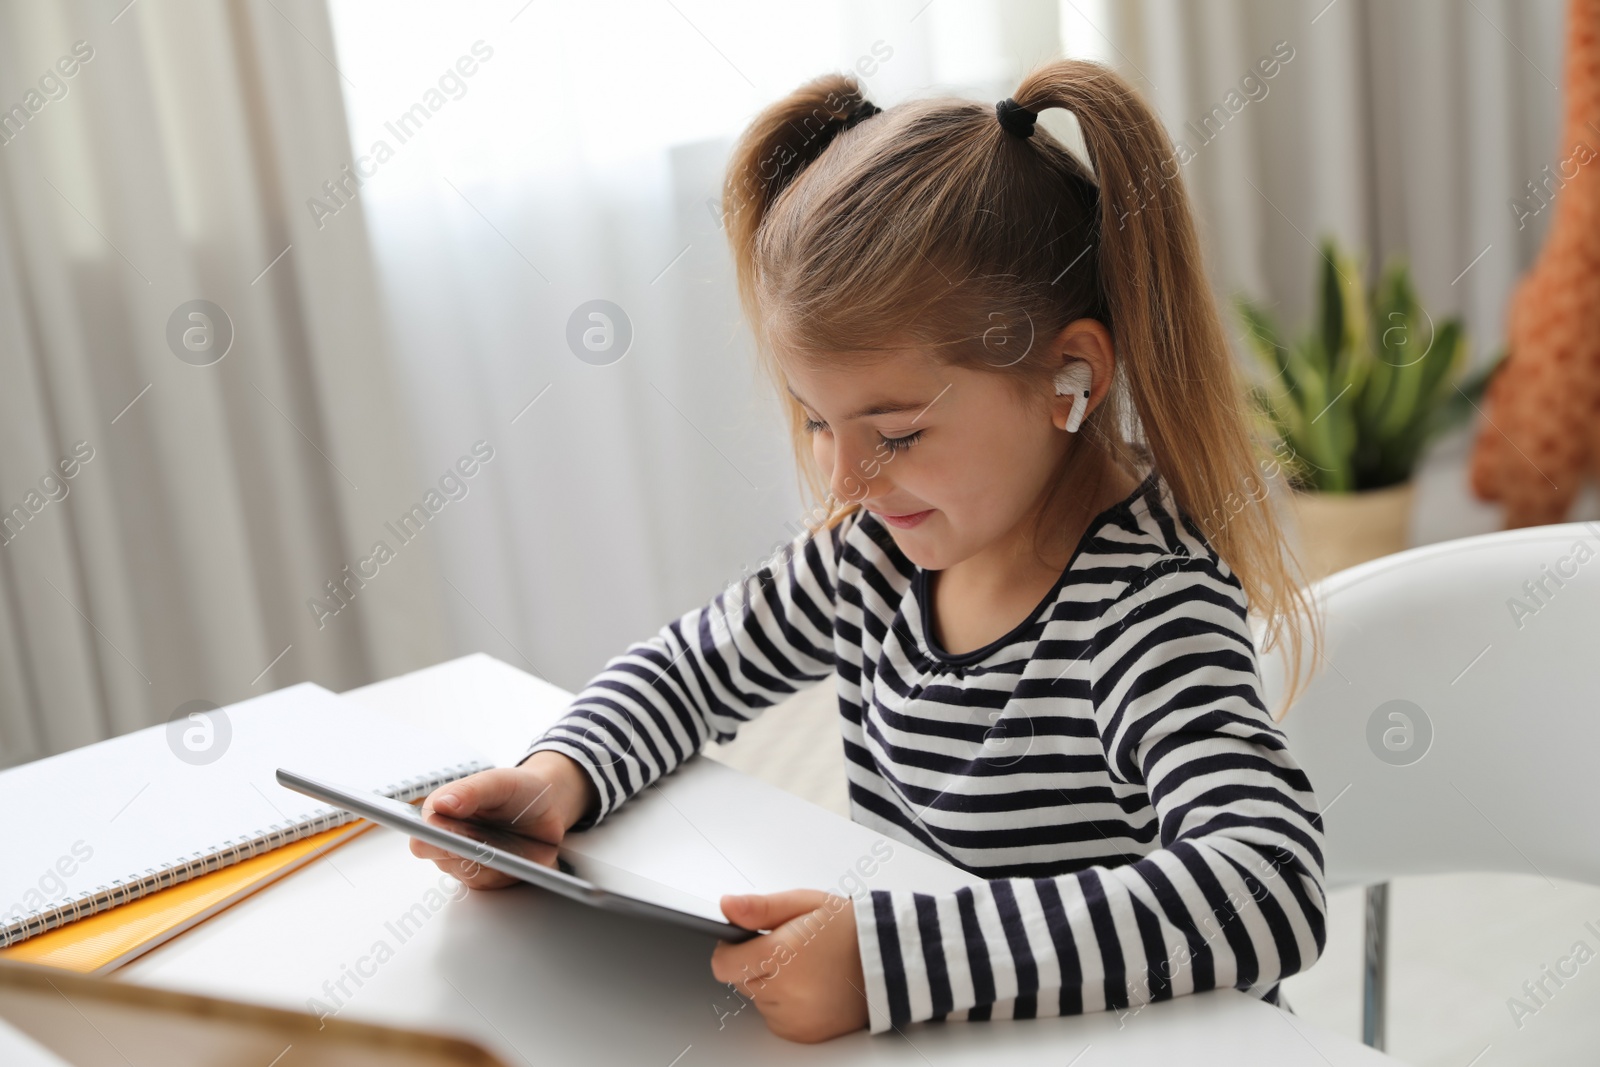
[928,225]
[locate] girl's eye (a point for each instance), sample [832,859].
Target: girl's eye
[897,444]
[893,444]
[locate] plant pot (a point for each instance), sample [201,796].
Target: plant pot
[1339,530]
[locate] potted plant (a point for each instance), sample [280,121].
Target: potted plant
[1354,402]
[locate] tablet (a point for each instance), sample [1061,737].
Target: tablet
[551,867]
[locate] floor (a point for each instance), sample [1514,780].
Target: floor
[1461,947]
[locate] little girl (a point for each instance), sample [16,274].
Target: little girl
[1014,378]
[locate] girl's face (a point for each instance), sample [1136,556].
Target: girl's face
[948,457]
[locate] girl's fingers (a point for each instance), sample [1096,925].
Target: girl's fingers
[475,876]
[468,872]
[502,794]
[481,792]
[745,961]
[422,850]
[768,911]
[727,959]
[758,960]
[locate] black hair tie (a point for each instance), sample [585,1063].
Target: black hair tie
[1015,119]
[817,140]
[864,110]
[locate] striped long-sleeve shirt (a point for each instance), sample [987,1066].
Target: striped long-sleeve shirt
[1108,767]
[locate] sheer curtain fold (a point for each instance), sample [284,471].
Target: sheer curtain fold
[1401,128]
[177,562]
[1404,128]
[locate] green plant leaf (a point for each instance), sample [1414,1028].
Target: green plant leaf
[1360,394]
[1459,401]
[1319,440]
[1393,313]
[1262,339]
[1330,310]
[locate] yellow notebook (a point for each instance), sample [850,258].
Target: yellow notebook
[107,940]
[163,812]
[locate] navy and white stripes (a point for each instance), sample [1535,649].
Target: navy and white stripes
[1108,766]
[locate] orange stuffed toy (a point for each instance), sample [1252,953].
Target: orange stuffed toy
[1541,435]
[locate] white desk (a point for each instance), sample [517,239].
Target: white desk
[541,979]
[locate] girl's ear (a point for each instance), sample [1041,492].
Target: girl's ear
[1086,342]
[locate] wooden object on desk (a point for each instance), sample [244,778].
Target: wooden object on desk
[96,1022]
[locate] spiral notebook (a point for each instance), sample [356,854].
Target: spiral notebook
[103,825]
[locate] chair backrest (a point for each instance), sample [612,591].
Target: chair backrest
[1454,723]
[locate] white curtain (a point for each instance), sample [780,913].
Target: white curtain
[582,160]
[149,157]
[404,209]
[1400,127]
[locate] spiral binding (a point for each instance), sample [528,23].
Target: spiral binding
[235,849]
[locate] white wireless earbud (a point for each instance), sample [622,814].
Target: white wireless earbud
[1075,378]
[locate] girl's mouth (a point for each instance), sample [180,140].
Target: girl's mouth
[905,522]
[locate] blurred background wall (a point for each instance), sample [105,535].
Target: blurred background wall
[301,278]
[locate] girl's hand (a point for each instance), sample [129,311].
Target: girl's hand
[541,798]
[805,976]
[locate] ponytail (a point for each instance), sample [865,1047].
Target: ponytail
[1181,375]
[782,141]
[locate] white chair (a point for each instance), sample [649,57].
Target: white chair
[1455,721]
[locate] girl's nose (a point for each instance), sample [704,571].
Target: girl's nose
[849,480]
